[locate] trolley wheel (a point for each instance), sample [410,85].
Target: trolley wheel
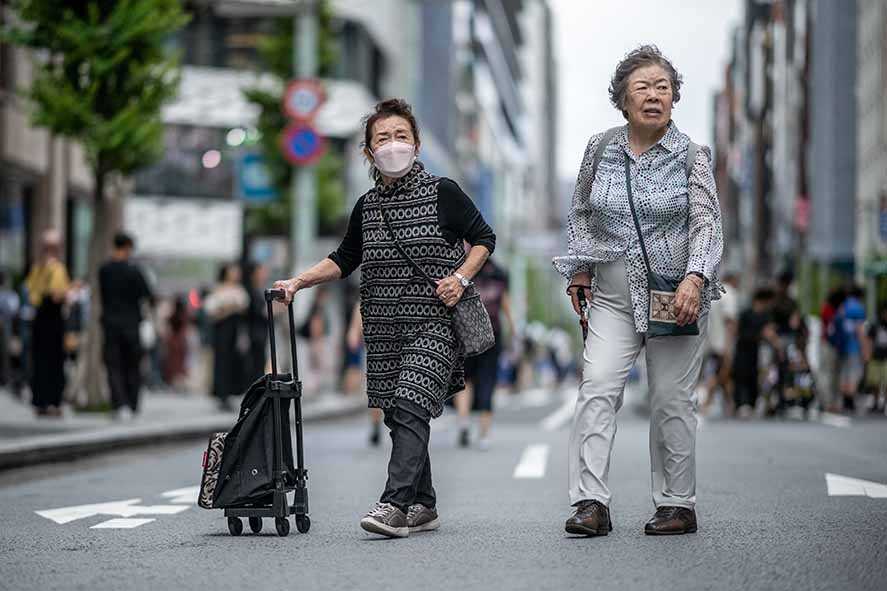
[283,526]
[303,523]
[255,524]
[235,526]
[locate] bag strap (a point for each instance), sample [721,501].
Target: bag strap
[602,145]
[634,215]
[403,252]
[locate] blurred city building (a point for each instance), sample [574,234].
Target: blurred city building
[800,134]
[44,180]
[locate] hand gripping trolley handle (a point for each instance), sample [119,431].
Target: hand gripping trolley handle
[284,480]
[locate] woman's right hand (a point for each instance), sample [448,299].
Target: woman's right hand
[573,290]
[581,280]
[289,287]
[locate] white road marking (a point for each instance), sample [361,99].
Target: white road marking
[563,414]
[834,420]
[125,508]
[183,496]
[119,523]
[535,398]
[845,486]
[532,462]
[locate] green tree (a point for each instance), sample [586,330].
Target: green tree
[103,75]
[276,53]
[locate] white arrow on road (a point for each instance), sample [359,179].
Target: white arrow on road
[844,486]
[125,508]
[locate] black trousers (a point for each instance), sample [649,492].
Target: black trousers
[409,469]
[123,357]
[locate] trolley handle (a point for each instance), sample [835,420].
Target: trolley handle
[272,295]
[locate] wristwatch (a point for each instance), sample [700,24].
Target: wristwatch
[462,279]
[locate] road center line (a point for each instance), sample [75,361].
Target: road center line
[532,462]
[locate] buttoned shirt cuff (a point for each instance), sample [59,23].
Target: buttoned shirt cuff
[698,266]
[571,264]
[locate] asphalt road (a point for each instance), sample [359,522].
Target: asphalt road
[766,518]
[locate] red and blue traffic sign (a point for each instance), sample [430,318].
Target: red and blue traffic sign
[302,144]
[303,99]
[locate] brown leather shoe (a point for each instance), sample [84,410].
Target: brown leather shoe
[671,521]
[591,518]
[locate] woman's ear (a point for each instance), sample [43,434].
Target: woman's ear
[368,155]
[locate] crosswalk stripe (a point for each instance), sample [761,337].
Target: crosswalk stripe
[532,462]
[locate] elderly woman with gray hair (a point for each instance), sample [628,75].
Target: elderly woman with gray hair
[645,243]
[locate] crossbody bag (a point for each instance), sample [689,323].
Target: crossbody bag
[661,320]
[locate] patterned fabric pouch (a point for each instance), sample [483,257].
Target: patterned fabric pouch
[661,320]
[212,462]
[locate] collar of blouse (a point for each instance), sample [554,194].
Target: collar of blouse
[672,141]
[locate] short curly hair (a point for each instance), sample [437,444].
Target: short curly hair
[394,107]
[645,55]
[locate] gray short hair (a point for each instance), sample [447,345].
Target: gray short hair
[645,55]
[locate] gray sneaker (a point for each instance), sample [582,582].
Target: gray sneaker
[387,520]
[421,518]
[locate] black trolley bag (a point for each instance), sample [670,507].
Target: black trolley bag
[249,470]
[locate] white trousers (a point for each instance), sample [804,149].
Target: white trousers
[673,366]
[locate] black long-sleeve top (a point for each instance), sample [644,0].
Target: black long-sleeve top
[457,215]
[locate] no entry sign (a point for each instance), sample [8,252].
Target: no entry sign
[302,144]
[302,99]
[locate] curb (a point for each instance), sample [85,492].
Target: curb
[72,446]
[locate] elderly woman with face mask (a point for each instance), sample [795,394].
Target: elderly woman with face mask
[414,361]
[645,207]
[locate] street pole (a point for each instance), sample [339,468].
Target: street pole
[303,187]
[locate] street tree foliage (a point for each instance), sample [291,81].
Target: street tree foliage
[276,54]
[103,72]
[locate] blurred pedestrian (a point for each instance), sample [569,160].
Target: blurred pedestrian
[791,330]
[755,327]
[722,331]
[226,307]
[353,367]
[651,171]
[315,329]
[828,378]
[9,306]
[47,285]
[257,321]
[354,373]
[849,328]
[175,345]
[414,360]
[482,371]
[123,290]
[876,355]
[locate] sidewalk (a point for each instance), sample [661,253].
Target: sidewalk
[165,416]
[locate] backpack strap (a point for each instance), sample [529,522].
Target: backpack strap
[602,145]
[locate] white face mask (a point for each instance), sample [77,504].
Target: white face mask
[395,159]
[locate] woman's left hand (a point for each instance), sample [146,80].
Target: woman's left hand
[686,301]
[449,290]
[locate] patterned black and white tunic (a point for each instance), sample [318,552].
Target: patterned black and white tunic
[412,353]
[680,219]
